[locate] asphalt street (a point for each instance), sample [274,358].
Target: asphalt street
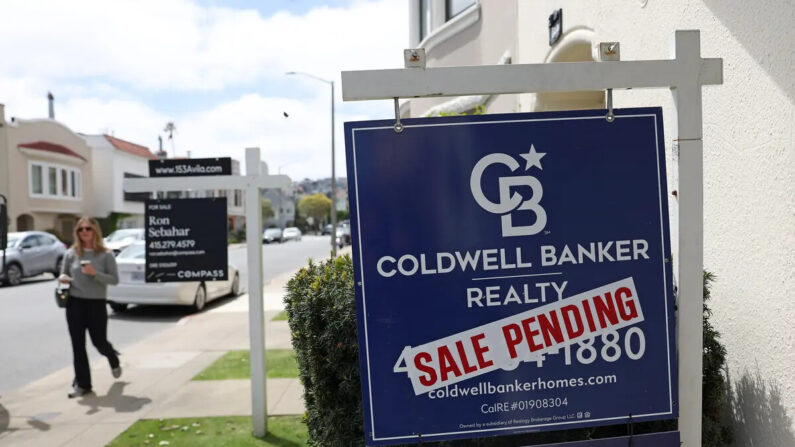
[34,340]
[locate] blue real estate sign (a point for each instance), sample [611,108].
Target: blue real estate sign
[512,273]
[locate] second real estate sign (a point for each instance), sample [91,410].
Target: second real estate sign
[186,240]
[512,273]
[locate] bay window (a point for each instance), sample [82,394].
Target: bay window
[48,180]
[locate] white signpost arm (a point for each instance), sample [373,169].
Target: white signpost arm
[259,398]
[205,182]
[684,75]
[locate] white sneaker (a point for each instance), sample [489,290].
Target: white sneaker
[78,392]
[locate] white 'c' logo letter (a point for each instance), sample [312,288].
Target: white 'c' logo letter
[509,202]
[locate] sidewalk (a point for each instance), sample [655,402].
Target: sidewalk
[156,382]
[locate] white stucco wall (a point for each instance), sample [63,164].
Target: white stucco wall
[102,154]
[108,168]
[749,156]
[485,41]
[124,162]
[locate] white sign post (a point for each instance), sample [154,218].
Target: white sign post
[683,75]
[252,183]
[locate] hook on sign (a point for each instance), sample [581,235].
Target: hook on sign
[398,125]
[610,115]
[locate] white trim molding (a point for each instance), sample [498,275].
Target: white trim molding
[455,25]
[464,104]
[37,153]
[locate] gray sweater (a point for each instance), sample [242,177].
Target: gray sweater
[86,286]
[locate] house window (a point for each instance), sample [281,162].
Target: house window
[238,199]
[425,18]
[455,7]
[435,21]
[52,181]
[64,183]
[49,180]
[135,196]
[36,180]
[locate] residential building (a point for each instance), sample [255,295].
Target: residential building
[114,160]
[45,172]
[749,149]
[283,205]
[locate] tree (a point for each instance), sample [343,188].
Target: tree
[267,209]
[316,206]
[170,129]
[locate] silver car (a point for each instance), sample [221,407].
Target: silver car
[31,253]
[132,288]
[121,239]
[291,234]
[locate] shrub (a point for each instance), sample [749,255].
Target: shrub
[321,309]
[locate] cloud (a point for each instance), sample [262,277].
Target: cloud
[176,44]
[115,66]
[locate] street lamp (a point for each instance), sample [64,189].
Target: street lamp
[333,175]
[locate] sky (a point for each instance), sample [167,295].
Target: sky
[215,68]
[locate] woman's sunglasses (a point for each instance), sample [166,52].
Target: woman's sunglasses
[82,229]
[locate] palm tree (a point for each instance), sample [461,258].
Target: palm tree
[170,129]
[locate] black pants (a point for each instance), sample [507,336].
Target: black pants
[91,314]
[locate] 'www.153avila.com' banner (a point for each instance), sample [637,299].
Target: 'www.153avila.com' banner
[512,272]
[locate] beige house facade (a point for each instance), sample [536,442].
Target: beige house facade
[749,150]
[45,172]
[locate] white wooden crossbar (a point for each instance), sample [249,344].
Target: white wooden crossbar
[524,78]
[153,184]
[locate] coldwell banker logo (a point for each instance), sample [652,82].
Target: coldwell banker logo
[512,203]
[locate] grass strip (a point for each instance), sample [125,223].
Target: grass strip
[282,316]
[227,431]
[279,363]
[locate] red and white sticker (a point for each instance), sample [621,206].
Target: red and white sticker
[505,343]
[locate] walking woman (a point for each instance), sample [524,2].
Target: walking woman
[90,268]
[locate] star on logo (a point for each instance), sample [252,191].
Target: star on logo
[533,158]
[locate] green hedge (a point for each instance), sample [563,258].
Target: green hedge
[321,309]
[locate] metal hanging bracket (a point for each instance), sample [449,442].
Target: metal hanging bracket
[609,52]
[398,125]
[414,58]
[610,115]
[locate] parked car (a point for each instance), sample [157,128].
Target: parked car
[132,288]
[272,235]
[327,229]
[31,253]
[121,239]
[340,238]
[346,232]
[291,234]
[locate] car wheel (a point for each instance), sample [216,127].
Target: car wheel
[13,274]
[118,307]
[58,265]
[235,289]
[201,298]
